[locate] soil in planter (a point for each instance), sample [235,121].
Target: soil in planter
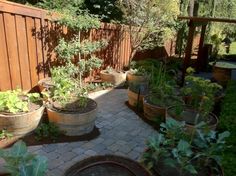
[75,106]
[107,165]
[30,140]
[139,113]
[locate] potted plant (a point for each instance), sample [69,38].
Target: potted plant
[160,97]
[200,99]
[110,75]
[20,112]
[137,73]
[20,162]
[68,105]
[174,151]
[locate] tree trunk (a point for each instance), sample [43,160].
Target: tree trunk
[193,8]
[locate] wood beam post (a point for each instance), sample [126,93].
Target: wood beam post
[188,50]
[200,58]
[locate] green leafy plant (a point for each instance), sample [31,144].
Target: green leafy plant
[19,162]
[68,78]
[4,134]
[228,122]
[137,70]
[201,93]
[15,101]
[185,153]
[47,130]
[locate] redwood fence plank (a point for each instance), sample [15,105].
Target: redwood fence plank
[23,52]
[5,78]
[12,47]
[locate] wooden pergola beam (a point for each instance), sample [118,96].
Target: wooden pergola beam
[204,19]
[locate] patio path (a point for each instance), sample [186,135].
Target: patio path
[122,133]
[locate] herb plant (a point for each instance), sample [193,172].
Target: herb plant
[15,101]
[19,162]
[4,134]
[185,153]
[47,130]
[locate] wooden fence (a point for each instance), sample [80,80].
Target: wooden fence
[28,38]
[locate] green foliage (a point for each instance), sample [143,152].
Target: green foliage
[14,101]
[60,4]
[98,86]
[4,134]
[150,22]
[185,152]
[105,9]
[47,130]
[228,122]
[21,163]
[202,93]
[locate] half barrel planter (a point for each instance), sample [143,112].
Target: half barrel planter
[117,78]
[73,123]
[23,123]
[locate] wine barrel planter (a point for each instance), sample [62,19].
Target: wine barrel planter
[107,165]
[22,123]
[135,99]
[136,78]
[153,112]
[73,123]
[221,75]
[45,83]
[115,77]
[188,115]
[222,71]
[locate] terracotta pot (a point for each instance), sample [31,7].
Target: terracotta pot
[135,99]
[45,83]
[73,123]
[188,115]
[21,124]
[115,77]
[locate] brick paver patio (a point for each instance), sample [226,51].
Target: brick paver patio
[122,133]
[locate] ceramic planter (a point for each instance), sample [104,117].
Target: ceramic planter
[136,78]
[22,123]
[135,99]
[115,77]
[74,123]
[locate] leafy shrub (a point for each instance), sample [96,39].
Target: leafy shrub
[5,135]
[47,130]
[19,162]
[14,101]
[228,122]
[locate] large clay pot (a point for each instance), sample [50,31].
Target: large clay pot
[221,75]
[117,78]
[23,123]
[188,115]
[135,99]
[73,123]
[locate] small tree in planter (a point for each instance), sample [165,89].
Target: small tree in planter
[20,112]
[174,151]
[69,107]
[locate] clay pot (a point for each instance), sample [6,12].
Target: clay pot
[115,77]
[73,123]
[136,78]
[221,75]
[22,123]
